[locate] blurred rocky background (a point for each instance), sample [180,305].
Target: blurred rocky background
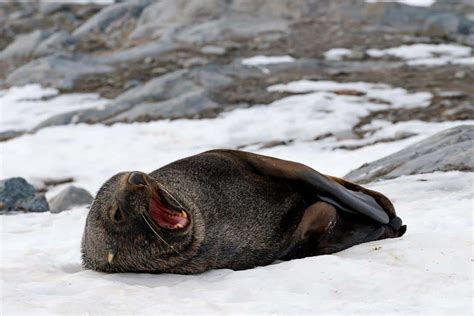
[172,59]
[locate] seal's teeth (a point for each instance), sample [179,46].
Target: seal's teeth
[183,214]
[179,225]
[110,257]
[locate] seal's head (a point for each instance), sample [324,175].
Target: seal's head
[135,224]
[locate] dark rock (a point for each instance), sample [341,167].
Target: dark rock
[451,149]
[195,104]
[138,52]
[69,197]
[59,71]
[419,19]
[180,94]
[6,135]
[24,45]
[18,195]
[47,8]
[54,43]
[111,16]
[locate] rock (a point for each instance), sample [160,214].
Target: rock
[69,197]
[451,149]
[131,84]
[56,42]
[59,71]
[18,195]
[179,94]
[188,105]
[138,52]
[213,50]
[419,19]
[194,61]
[6,135]
[448,23]
[111,16]
[24,45]
[47,8]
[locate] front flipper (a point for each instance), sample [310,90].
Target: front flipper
[344,195]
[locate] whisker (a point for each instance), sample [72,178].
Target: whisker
[170,195]
[158,235]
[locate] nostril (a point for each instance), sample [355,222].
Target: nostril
[116,215]
[137,178]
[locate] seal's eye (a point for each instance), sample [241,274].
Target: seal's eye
[116,215]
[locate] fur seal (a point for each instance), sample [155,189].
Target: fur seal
[228,209]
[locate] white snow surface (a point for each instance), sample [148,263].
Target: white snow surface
[337,53]
[266,60]
[22,108]
[417,3]
[428,54]
[427,271]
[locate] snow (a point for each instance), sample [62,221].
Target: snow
[22,108]
[428,54]
[266,60]
[418,3]
[337,53]
[427,271]
[400,98]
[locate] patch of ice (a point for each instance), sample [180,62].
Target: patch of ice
[427,271]
[337,53]
[427,54]
[22,108]
[266,60]
[417,3]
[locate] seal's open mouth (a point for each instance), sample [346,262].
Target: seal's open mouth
[165,217]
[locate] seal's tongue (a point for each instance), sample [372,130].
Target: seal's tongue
[165,217]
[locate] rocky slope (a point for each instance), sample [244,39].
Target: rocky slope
[174,59]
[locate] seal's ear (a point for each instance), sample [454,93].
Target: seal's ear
[345,195]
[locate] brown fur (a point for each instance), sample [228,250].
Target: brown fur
[247,210]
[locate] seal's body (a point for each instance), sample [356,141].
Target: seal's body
[228,209]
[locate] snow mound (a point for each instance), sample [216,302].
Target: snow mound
[24,107]
[417,3]
[266,60]
[428,54]
[337,53]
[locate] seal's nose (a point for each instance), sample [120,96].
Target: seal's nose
[137,178]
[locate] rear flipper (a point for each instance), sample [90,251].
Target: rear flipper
[324,230]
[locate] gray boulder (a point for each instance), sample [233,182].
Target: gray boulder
[24,45]
[69,197]
[113,15]
[56,42]
[420,19]
[179,94]
[451,149]
[188,105]
[59,71]
[18,195]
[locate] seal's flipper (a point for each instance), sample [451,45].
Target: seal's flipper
[340,193]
